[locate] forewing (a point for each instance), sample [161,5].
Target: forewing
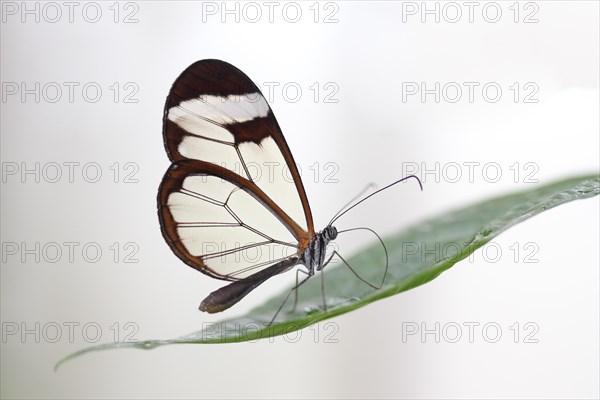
[216,114]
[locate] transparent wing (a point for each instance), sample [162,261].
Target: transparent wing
[220,223]
[216,114]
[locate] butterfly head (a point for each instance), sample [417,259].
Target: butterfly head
[330,232]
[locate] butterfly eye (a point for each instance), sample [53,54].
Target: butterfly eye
[331,232]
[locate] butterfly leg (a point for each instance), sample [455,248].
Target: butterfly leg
[323,282]
[296,291]
[323,291]
[308,275]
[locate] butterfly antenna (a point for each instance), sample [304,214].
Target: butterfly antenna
[363,191]
[339,214]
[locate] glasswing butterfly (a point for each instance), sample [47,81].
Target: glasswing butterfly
[216,212]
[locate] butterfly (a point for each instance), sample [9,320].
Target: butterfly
[219,211]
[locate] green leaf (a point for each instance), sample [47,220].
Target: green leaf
[455,236]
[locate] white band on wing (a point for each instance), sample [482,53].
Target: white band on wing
[207,114]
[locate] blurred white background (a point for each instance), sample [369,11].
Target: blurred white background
[362,58]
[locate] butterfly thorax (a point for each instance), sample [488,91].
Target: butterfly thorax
[314,254]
